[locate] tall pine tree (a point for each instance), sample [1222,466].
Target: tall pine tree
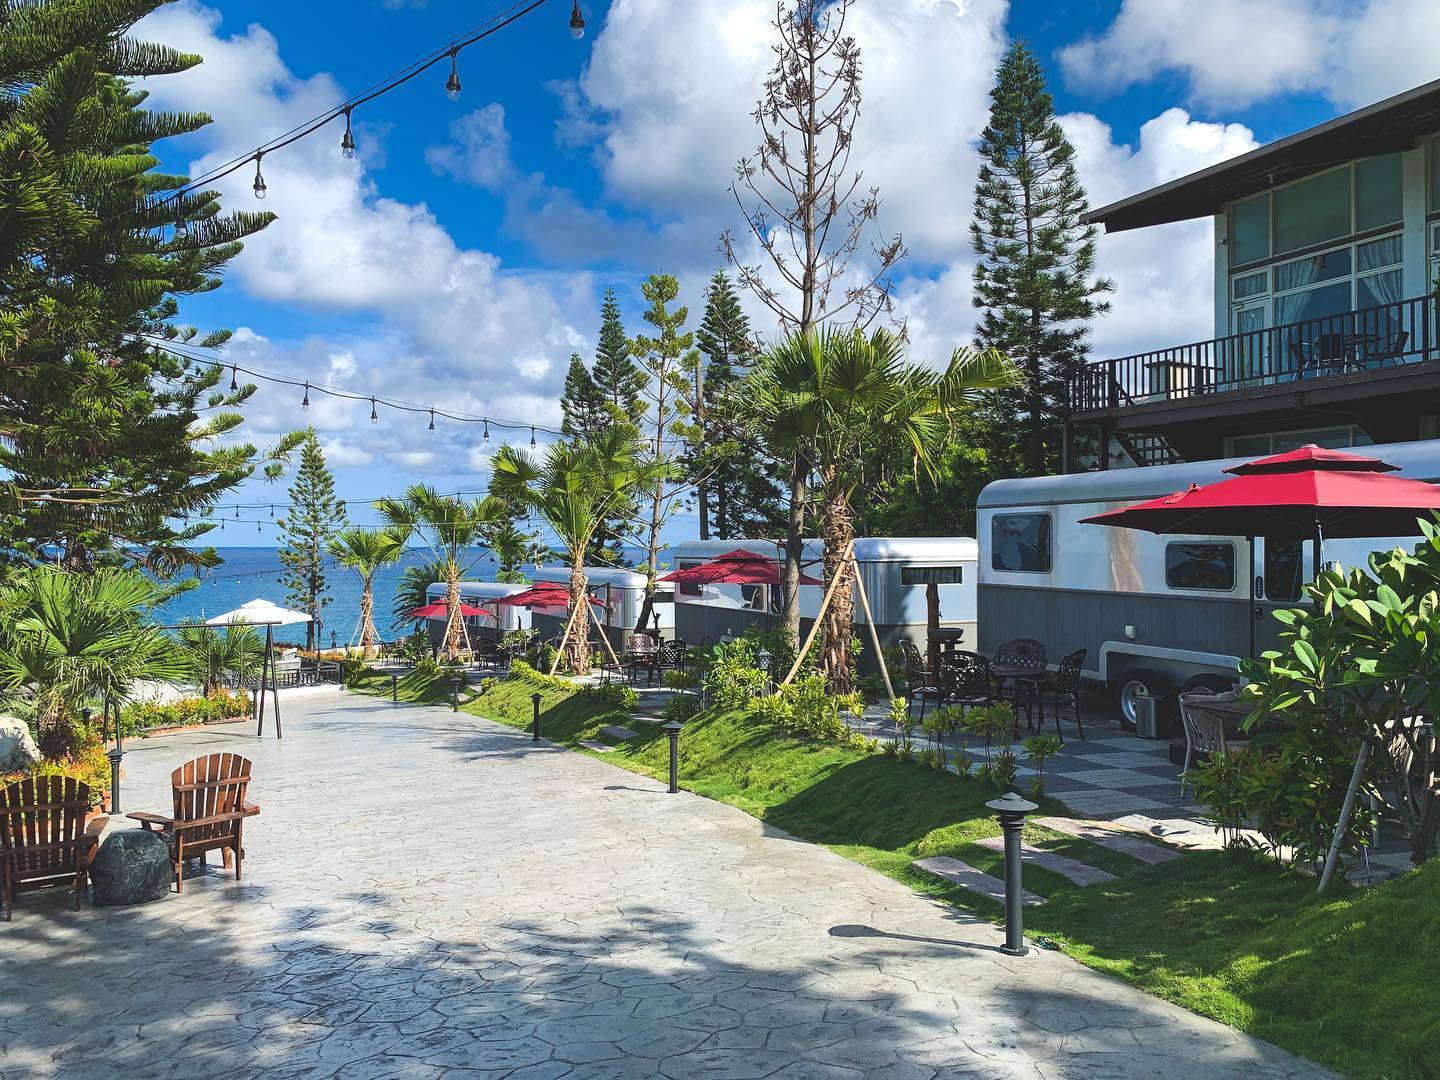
[618,377]
[582,404]
[1035,279]
[314,519]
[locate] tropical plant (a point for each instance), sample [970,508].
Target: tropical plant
[843,400]
[732,678]
[413,590]
[573,487]
[68,637]
[1040,749]
[365,551]
[210,653]
[450,527]
[513,549]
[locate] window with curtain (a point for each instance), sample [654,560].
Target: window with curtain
[1313,211]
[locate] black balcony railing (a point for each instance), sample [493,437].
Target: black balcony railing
[1391,335]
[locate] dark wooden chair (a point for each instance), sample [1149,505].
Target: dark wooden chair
[43,839]
[210,812]
[919,678]
[1064,689]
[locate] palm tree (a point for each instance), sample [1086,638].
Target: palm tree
[66,637]
[238,649]
[413,590]
[573,488]
[365,551]
[841,401]
[450,527]
[512,549]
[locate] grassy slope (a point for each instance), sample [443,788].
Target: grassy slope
[1348,982]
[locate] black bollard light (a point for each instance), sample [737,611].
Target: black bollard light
[1012,809]
[455,694]
[673,730]
[115,756]
[394,688]
[535,724]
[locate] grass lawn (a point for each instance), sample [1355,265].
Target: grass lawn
[1349,981]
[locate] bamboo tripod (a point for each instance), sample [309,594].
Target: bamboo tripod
[848,566]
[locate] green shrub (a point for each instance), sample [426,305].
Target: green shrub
[1040,748]
[806,707]
[488,683]
[731,678]
[145,715]
[904,722]
[681,707]
[555,682]
[680,680]
[616,695]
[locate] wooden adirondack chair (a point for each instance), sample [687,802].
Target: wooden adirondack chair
[42,835]
[210,812]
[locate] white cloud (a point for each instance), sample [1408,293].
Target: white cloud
[1237,52]
[480,149]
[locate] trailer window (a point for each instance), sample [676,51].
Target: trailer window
[688,590]
[1020,543]
[932,575]
[1200,566]
[1284,569]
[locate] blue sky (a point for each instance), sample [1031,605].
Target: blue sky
[460,258]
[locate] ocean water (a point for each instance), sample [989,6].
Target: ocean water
[254,574]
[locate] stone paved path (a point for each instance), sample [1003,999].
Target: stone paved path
[427,894]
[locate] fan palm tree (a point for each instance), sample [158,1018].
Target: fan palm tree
[450,527]
[573,487]
[413,590]
[365,551]
[841,401]
[512,549]
[66,637]
[239,649]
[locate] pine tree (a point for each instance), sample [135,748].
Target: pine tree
[583,405]
[735,489]
[1035,279]
[616,375]
[314,520]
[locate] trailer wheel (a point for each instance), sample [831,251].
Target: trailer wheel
[1216,684]
[1136,683]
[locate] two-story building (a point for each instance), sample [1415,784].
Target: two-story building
[1327,251]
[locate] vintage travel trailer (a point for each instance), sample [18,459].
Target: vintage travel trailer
[1156,614]
[475,593]
[894,570]
[622,592]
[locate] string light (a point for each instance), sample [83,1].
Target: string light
[272,511]
[487,431]
[259,187]
[577,22]
[432,419]
[182,227]
[452,84]
[347,141]
[374,416]
[305,403]
[532,437]
[234,378]
[111,255]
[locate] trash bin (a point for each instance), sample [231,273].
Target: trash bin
[1147,717]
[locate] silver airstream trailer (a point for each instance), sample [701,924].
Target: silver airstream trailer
[1155,614]
[621,594]
[491,626]
[896,572]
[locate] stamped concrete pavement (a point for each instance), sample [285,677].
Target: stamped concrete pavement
[429,894]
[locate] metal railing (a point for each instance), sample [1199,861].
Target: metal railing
[1391,335]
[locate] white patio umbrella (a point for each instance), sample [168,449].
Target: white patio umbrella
[268,614]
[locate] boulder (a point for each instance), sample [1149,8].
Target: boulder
[131,867]
[18,752]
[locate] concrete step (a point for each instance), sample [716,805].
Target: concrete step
[615,731]
[967,877]
[598,747]
[1122,840]
[1076,871]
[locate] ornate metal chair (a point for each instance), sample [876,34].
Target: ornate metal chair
[1064,689]
[919,678]
[966,679]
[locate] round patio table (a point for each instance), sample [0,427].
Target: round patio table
[1027,683]
[948,639]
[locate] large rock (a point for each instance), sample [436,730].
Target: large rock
[131,867]
[18,752]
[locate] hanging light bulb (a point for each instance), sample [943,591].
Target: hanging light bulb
[237,511]
[259,187]
[532,437]
[182,227]
[347,141]
[111,255]
[234,382]
[432,419]
[577,22]
[487,430]
[374,416]
[305,404]
[258,528]
[452,84]
[272,511]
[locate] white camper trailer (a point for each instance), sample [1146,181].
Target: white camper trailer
[622,592]
[476,593]
[1155,614]
[896,573]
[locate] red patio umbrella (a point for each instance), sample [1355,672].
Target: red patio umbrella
[541,594]
[438,610]
[739,567]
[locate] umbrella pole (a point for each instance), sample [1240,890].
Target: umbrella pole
[275,686]
[1251,613]
[264,678]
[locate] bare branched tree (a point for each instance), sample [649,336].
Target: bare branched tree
[809,211]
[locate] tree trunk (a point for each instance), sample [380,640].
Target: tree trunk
[722,508]
[794,552]
[838,528]
[652,563]
[702,498]
[577,648]
[367,621]
[452,611]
